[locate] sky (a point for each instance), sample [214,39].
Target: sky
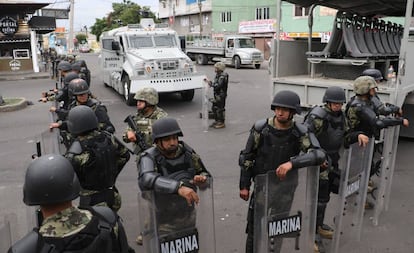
[86,11]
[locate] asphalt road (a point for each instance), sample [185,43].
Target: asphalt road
[249,98]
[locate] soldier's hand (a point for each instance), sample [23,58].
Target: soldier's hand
[189,194]
[363,140]
[131,136]
[244,194]
[54,125]
[283,169]
[199,179]
[44,100]
[406,123]
[52,109]
[324,166]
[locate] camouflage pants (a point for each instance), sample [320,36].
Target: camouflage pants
[109,197]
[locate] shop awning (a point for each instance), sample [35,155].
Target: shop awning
[42,24]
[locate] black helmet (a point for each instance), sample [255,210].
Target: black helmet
[70,76]
[374,73]
[78,86]
[64,66]
[286,99]
[334,94]
[76,66]
[50,179]
[165,127]
[82,63]
[81,119]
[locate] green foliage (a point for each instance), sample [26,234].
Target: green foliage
[123,13]
[81,38]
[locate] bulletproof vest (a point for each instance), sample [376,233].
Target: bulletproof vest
[179,168]
[332,134]
[366,116]
[223,89]
[95,237]
[93,103]
[276,147]
[100,172]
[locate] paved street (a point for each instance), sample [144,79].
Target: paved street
[248,100]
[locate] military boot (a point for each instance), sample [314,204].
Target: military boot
[139,240]
[219,125]
[214,124]
[325,231]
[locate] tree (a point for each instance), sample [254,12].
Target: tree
[81,38]
[123,13]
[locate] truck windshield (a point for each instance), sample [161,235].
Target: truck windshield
[246,43]
[153,41]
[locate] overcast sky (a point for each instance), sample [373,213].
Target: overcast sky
[86,11]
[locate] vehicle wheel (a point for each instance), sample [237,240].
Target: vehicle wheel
[187,95]
[237,62]
[257,66]
[202,59]
[129,98]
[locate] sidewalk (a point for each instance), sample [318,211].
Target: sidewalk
[22,75]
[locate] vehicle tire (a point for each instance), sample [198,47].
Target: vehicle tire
[187,95]
[202,59]
[129,98]
[237,62]
[257,66]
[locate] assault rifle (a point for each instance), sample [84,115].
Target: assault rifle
[141,144]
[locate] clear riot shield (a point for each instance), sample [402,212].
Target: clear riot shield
[356,164]
[49,142]
[6,232]
[204,106]
[285,211]
[168,224]
[383,183]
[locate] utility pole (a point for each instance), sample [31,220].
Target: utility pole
[71,15]
[200,17]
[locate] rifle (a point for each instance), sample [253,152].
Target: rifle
[138,134]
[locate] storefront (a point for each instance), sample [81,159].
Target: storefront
[19,44]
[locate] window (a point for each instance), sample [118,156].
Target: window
[21,54]
[226,17]
[107,43]
[262,13]
[301,11]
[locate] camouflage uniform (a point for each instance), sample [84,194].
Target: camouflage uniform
[144,124]
[220,85]
[87,161]
[66,222]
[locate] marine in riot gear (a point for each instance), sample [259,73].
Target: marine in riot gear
[328,123]
[220,85]
[51,183]
[97,157]
[168,169]
[361,115]
[275,144]
[147,113]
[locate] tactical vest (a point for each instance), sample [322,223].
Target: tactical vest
[97,236]
[332,133]
[180,168]
[222,89]
[366,116]
[100,172]
[276,147]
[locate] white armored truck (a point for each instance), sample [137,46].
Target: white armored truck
[146,55]
[233,50]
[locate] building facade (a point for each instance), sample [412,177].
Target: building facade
[20,40]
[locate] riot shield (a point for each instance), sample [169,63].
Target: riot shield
[356,165]
[383,183]
[285,211]
[49,142]
[204,106]
[6,232]
[168,224]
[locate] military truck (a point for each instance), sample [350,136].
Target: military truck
[147,55]
[233,50]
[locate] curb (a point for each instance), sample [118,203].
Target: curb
[14,107]
[21,77]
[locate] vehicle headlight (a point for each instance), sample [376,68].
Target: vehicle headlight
[244,56]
